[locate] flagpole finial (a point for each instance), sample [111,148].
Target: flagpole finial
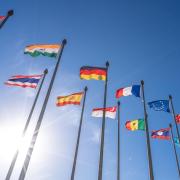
[170,125]
[10,12]
[170,97]
[64,42]
[86,88]
[142,82]
[107,64]
[45,71]
[118,103]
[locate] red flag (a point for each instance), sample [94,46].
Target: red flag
[178,118]
[2,18]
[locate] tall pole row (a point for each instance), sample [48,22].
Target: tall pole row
[103,127]
[38,125]
[174,147]
[147,134]
[79,134]
[25,128]
[118,151]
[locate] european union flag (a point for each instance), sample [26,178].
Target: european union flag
[160,105]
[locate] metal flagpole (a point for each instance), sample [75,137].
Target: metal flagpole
[103,127]
[174,147]
[79,134]
[10,13]
[147,134]
[38,125]
[25,128]
[174,116]
[118,151]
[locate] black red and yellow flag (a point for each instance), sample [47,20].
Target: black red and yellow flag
[89,72]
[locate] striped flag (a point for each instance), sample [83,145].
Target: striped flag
[161,134]
[2,18]
[134,125]
[69,99]
[110,112]
[24,81]
[50,50]
[89,72]
[178,118]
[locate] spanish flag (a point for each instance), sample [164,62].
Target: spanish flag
[69,99]
[97,73]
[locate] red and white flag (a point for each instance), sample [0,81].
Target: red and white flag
[110,112]
[2,18]
[178,118]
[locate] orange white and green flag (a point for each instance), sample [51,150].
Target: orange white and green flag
[50,50]
[69,99]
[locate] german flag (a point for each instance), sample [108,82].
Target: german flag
[69,99]
[97,73]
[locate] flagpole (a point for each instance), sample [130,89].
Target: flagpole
[174,147]
[10,13]
[79,134]
[25,128]
[147,134]
[118,151]
[174,116]
[38,125]
[103,127]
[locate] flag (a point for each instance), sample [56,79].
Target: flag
[50,50]
[2,19]
[176,141]
[131,90]
[135,125]
[24,81]
[178,118]
[69,99]
[110,112]
[160,105]
[161,134]
[97,73]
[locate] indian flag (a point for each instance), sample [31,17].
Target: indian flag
[50,50]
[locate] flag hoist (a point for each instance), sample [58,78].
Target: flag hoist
[174,147]
[174,116]
[78,137]
[118,149]
[18,83]
[151,175]
[38,125]
[103,127]
[3,19]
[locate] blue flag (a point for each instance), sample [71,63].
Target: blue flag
[176,141]
[160,105]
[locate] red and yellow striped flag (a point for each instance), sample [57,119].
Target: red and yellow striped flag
[69,99]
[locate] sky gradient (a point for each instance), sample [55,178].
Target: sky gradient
[141,41]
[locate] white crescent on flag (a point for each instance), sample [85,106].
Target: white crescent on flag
[110,112]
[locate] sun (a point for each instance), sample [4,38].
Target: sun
[11,140]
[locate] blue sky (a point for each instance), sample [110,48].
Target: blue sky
[141,41]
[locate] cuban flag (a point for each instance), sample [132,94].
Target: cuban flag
[110,112]
[24,81]
[160,105]
[128,91]
[161,134]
